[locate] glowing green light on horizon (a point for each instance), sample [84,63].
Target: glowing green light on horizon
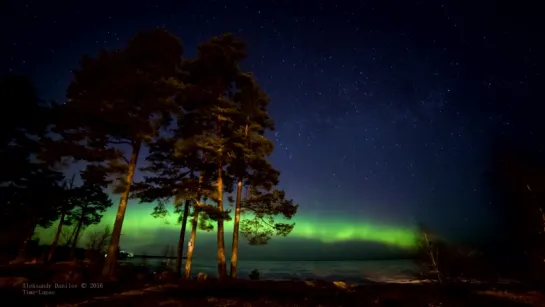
[140,224]
[341,231]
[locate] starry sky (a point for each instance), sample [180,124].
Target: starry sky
[384,109]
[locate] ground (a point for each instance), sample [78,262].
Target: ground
[138,290]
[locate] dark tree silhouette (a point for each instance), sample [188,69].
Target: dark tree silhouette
[28,187]
[120,97]
[171,181]
[517,195]
[88,201]
[34,203]
[19,120]
[66,206]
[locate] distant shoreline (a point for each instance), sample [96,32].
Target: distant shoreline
[281,260]
[154,257]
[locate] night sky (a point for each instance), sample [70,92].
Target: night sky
[384,109]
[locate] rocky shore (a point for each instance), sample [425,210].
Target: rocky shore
[68,284]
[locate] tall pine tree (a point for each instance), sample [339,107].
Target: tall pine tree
[211,78]
[250,147]
[121,98]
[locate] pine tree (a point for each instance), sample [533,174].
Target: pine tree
[210,87]
[174,180]
[20,136]
[29,187]
[173,161]
[198,191]
[89,201]
[66,206]
[120,97]
[36,203]
[250,147]
[197,188]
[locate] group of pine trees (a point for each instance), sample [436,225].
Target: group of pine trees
[33,189]
[202,119]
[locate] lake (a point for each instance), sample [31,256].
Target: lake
[398,271]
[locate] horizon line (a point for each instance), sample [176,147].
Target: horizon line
[284,259]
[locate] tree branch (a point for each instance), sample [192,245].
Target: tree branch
[265,222]
[125,159]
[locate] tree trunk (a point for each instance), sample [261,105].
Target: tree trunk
[111,258]
[28,237]
[234,248]
[71,237]
[194,222]
[76,237]
[181,242]
[191,246]
[57,235]
[61,224]
[222,265]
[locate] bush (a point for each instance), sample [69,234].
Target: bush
[97,243]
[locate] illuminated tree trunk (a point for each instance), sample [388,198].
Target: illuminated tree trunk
[234,249]
[57,236]
[111,258]
[181,242]
[222,265]
[191,246]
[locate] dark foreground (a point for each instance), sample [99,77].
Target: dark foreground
[138,290]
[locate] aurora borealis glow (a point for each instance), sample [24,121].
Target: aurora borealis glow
[139,225]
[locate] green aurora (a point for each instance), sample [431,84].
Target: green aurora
[139,223]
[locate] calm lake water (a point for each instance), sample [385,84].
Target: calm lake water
[349,271]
